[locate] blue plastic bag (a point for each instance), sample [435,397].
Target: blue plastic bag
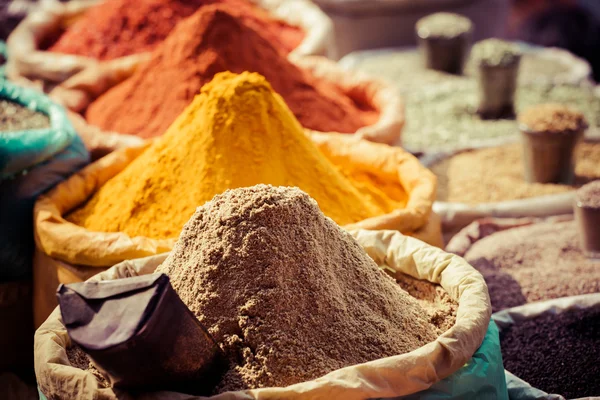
[20,150]
[481,378]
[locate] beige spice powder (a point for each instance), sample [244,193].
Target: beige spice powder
[287,293]
[552,118]
[497,174]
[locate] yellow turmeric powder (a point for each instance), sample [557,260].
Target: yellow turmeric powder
[237,132]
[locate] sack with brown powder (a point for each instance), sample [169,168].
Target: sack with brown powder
[525,260]
[262,257]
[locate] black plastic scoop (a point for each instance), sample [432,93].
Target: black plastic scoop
[139,333]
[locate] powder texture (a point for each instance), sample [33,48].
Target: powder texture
[443,25]
[496,174]
[557,353]
[79,359]
[117,28]
[533,263]
[552,118]
[288,294]
[589,195]
[213,40]
[436,302]
[236,133]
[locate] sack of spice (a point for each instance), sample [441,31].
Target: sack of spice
[322,97]
[134,202]
[60,40]
[443,117]
[456,363]
[525,260]
[553,346]
[32,129]
[490,182]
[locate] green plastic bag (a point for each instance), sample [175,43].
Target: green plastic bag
[3,55]
[20,150]
[481,378]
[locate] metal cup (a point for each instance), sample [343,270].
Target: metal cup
[588,226]
[549,156]
[445,54]
[497,89]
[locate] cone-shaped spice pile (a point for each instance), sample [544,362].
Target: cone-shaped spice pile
[213,40]
[236,133]
[117,28]
[288,294]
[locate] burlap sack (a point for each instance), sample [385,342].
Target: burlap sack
[28,61]
[517,388]
[69,253]
[393,376]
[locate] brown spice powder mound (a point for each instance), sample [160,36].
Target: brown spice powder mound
[496,174]
[552,118]
[287,293]
[532,263]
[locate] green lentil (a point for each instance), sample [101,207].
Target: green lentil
[444,117]
[496,53]
[405,69]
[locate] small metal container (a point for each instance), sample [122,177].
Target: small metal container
[497,89]
[445,54]
[587,217]
[549,156]
[444,41]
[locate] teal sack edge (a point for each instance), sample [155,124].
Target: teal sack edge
[481,378]
[20,150]
[3,53]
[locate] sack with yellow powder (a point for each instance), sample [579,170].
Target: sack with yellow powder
[237,132]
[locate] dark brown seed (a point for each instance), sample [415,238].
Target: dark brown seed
[557,353]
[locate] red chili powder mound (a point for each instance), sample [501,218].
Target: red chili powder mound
[214,40]
[117,28]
